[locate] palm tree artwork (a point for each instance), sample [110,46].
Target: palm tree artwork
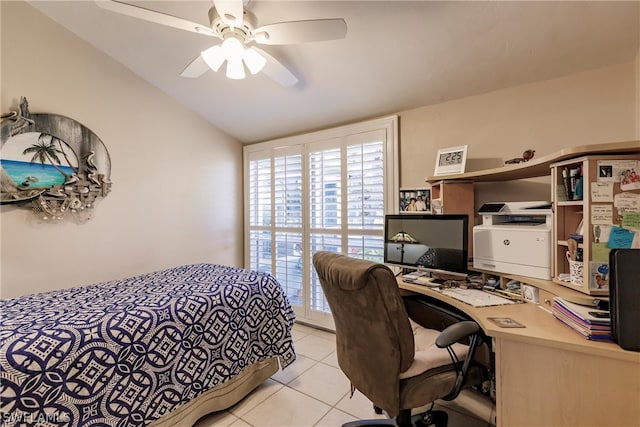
[44,151]
[67,185]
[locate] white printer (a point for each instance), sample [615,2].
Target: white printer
[514,237]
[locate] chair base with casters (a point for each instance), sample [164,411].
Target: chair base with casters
[432,417]
[394,362]
[452,334]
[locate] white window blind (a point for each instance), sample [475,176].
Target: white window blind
[326,191]
[259,192]
[288,190]
[325,176]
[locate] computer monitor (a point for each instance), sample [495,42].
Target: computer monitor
[434,243]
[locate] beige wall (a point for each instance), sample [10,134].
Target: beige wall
[177,180]
[637,113]
[586,108]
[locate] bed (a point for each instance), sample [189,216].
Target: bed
[159,349]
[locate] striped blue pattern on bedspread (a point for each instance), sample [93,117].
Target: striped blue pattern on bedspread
[126,352]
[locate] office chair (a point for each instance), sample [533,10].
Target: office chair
[397,364]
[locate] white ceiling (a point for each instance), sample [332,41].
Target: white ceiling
[397,55]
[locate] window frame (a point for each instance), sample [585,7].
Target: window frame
[303,144]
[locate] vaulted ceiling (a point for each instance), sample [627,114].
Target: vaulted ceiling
[397,55]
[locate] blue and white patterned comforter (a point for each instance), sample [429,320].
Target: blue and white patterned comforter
[126,352]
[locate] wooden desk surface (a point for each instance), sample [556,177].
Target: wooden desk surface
[541,327]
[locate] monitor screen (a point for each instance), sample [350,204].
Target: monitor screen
[436,243]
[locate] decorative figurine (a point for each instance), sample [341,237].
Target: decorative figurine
[526,156]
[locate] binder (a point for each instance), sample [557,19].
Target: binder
[624,297]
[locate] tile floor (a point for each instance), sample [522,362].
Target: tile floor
[313,392]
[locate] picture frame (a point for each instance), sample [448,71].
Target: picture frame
[451,160]
[418,195]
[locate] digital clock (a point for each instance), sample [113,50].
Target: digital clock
[451,160]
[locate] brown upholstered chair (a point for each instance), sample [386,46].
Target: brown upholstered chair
[395,363]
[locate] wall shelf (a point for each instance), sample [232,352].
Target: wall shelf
[540,166]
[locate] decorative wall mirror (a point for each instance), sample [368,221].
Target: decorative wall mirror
[52,164]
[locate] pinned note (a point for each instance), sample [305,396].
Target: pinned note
[601,214]
[620,238]
[627,202]
[601,192]
[631,219]
[614,170]
[600,252]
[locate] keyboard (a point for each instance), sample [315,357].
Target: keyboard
[428,281]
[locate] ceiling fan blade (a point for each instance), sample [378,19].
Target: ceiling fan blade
[155,17]
[230,11]
[276,71]
[301,31]
[196,68]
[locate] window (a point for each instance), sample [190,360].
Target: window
[324,191]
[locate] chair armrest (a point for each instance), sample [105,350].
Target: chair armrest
[450,336]
[456,332]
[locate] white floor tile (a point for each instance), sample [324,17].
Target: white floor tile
[297,335]
[331,336]
[322,382]
[335,418]
[314,347]
[303,329]
[358,406]
[221,419]
[287,408]
[332,360]
[313,392]
[216,419]
[257,396]
[301,364]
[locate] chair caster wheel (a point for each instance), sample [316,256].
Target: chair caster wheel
[434,418]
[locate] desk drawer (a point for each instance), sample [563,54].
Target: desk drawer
[545,298]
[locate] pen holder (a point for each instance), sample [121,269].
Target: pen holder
[567,188]
[575,272]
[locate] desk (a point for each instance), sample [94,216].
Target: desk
[548,375]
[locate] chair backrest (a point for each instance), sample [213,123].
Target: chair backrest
[373,335]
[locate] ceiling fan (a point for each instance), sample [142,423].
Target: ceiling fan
[236,27]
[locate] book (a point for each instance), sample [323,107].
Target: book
[590,322]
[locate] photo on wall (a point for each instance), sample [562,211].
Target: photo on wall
[415,200]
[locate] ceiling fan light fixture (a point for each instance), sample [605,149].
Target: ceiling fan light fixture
[236,26]
[233,48]
[254,61]
[235,69]
[214,57]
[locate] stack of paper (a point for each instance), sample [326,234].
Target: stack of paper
[476,297]
[590,322]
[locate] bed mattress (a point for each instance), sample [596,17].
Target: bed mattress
[127,352]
